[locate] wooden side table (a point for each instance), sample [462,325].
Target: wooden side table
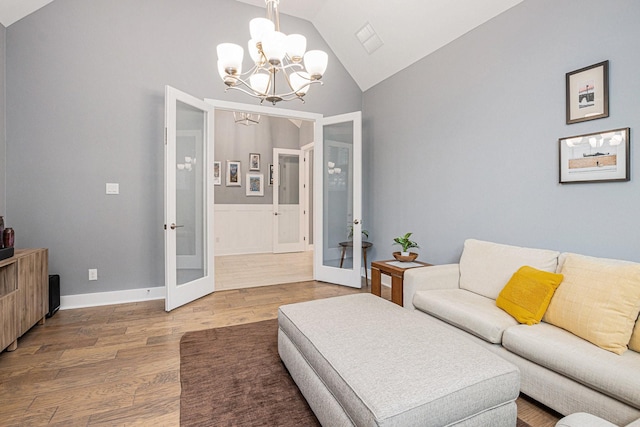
[397,277]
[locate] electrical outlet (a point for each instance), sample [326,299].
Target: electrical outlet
[93,274]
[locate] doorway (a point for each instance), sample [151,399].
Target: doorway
[262,239]
[347,129]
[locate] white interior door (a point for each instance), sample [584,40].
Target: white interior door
[307,152]
[189,258]
[288,200]
[338,199]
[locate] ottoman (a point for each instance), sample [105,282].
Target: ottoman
[361,360]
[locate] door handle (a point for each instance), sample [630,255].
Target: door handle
[356,221]
[275,213]
[173,226]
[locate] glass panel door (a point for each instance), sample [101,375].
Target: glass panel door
[188,250]
[338,200]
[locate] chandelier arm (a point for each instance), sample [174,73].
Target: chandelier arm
[260,97]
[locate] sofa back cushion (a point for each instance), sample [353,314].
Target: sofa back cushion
[486,267]
[598,300]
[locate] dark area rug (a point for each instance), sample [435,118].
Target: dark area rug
[233,376]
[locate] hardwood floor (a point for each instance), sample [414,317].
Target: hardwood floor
[119,365]
[255,270]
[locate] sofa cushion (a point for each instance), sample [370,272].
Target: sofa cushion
[573,357]
[471,312]
[597,301]
[485,267]
[528,293]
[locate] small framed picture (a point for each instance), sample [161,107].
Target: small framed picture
[595,157]
[270,174]
[588,93]
[234,173]
[255,184]
[217,173]
[254,162]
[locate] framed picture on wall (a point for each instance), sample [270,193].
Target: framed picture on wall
[595,157]
[587,93]
[234,173]
[255,184]
[217,173]
[254,162]
[270,174]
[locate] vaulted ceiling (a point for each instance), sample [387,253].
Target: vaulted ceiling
[406,30]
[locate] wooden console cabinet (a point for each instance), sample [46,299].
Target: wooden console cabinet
[24,294]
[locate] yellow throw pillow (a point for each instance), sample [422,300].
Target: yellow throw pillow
[597,301]
[528,293]
[634,343]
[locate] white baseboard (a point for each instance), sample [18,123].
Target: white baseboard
[115,297]
[97,299]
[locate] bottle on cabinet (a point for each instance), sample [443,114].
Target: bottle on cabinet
[8,237]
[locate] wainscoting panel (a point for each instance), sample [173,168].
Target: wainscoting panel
[243,229]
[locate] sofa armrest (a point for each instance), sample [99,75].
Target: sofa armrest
[445,276]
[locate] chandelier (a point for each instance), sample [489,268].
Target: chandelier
[282,71]
[247,119]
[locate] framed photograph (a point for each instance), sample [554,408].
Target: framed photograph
[595,157]
[588,93]
[270,174]
[217,173]
[254,162]
[255,184]
[234,173]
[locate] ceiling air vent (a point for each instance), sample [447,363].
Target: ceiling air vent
[369,38]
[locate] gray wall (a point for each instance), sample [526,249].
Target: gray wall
[3,139]
[464,143]
[85,106]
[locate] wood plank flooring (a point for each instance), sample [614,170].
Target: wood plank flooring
[254,270]
[119,365]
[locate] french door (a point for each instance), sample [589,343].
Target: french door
[338,199]
[189,259]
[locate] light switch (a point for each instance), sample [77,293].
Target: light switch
[113,188]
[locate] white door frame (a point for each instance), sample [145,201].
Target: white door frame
[346,277]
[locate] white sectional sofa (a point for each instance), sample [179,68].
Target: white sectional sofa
[558,368]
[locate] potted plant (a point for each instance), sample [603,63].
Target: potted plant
[364,232]
[406,244]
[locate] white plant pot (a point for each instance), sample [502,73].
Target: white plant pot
[405,253]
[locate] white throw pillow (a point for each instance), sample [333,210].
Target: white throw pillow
[486,267]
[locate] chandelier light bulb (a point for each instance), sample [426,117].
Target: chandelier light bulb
[230,56]
[228,79]
[296,45]
[260,83]
[315,61]
[273,46]
[259,26]
[300,82]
